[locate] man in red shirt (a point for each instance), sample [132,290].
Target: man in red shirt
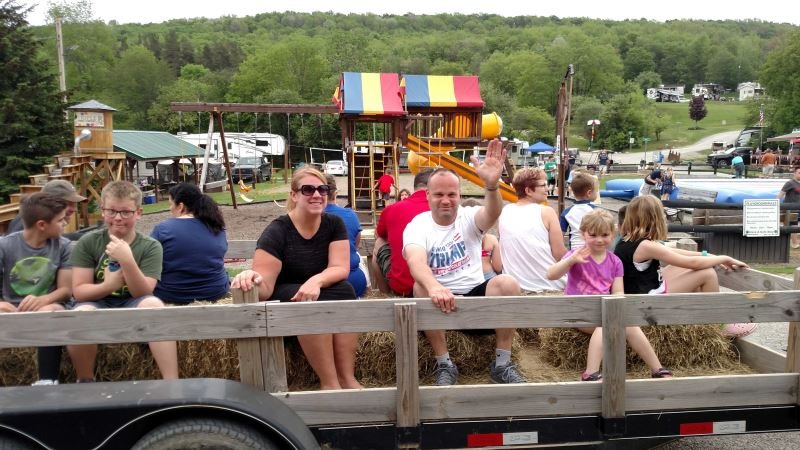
[385,183]
[387,253]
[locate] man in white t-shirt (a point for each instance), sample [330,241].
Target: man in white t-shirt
[443,251]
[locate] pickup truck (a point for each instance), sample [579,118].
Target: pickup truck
[723,158]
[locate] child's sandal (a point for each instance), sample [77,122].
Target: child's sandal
[661,373]
[597,376]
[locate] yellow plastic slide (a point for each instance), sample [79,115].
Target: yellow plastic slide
[438,156]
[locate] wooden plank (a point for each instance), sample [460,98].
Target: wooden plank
[241,249]
[711,392]
[613,399]
[405,329]
[348,316]
[753,280]
[251,363]
[760,358]
[273,359]
[542,399]
[108,326]
[340,407]
[353,316]
[723,307]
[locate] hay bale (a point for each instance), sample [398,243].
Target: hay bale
[678,347]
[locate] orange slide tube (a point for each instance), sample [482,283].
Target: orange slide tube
[438,156]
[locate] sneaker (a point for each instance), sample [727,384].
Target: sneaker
[661,373]
[446,375]
[45,382]
[505,374]
[596,376]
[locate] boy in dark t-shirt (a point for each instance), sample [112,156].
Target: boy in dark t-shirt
[35,269]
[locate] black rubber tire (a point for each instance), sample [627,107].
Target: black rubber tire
[218,434]
[7,443]
[723,164]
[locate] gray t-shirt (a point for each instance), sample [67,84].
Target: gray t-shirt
[792,190]
[31,271]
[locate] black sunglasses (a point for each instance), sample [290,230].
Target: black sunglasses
[308,190]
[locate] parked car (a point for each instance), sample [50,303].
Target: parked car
[336,167]
[249,168]
[723,158]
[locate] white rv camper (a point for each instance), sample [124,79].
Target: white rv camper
[239,144]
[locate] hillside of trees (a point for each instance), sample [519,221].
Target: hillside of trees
[293,57]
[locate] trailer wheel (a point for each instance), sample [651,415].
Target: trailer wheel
[202,434]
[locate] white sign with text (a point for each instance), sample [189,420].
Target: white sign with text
[761,218]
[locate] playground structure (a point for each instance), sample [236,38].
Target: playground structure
[382,113]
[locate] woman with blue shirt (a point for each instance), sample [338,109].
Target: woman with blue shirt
[356,277]
[194,243]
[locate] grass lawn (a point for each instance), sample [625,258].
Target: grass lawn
[263,192]
[721,117]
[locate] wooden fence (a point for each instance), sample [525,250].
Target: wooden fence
[260,328]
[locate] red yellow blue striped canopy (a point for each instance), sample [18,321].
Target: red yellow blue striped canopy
[426,91]
[369,94]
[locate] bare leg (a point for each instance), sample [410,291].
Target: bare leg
[687,280]
[319,353]
[639,343]
[165,353]
[594,356]
[345,346]
[83,356]
[503,285]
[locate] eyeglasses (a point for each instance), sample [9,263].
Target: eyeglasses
[308,190]
[111,213]
[539,185]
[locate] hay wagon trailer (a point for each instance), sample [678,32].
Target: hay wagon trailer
[614,413]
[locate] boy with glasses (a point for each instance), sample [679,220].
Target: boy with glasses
[36,271]
[118,267]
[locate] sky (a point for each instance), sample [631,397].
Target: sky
[147,11]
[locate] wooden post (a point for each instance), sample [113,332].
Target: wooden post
[687,244]
[793,348]
[613,392]
[262,361]
[405,329]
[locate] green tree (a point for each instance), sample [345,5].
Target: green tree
[697,110]
[75,11]
[135,83]
[31,107]
[647,80]
[780,80]
[622,115]
[638,60]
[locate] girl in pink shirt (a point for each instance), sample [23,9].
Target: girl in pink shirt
[593,270]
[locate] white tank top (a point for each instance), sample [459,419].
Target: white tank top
[525,247]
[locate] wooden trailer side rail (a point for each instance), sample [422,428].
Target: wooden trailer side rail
[260,328]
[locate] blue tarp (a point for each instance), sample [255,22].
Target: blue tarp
[540,147]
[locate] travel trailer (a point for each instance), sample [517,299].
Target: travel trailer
[239,144]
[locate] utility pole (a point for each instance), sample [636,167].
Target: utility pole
[62,77]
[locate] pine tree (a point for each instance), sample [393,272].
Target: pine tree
[31,107]
[697,110]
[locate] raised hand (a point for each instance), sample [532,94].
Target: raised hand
[491,168]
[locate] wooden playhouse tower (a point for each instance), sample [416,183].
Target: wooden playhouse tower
[380,114]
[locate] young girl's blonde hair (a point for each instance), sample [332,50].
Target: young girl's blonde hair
[644,219]
[598,221]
